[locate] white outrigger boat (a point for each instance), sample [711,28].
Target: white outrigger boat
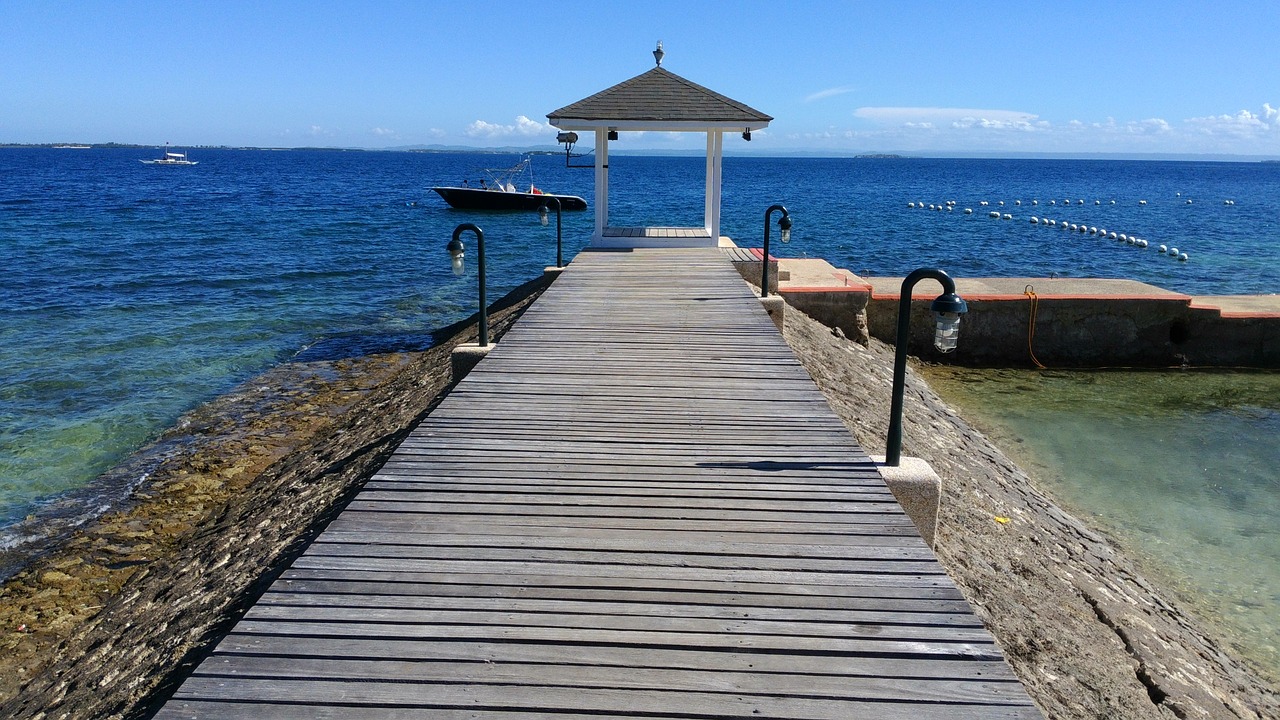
[170,158]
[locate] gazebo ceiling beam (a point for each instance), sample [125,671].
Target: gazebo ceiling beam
[700,126]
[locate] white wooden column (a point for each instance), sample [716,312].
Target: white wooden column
[602,181]
[711,216]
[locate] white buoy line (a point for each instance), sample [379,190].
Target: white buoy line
[1132,240]
[1055,202]
[1125,238]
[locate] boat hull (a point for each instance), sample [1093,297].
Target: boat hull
[477,199]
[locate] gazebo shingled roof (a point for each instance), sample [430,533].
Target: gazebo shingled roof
[660,95]
[659,101]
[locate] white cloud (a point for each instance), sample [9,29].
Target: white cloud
[954,117]
[1241,124]
[523,127]
[384,132]
[829,92]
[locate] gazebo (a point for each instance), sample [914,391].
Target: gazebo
[658,100]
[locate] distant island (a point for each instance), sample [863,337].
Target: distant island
[879,156]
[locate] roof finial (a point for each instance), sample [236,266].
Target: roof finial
[657,54]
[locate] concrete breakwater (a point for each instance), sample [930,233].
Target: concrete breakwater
[1086,633]
[1059,322]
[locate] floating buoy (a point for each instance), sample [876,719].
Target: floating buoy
[1142,202]
[1173,251]
[1053,202]
[1080,201]
[1007,216]
[1017,202]
[983,203]
[1093,230]
[1132,240]
[993,214]
[968,211]
[1075,226]
[911,204]
[1228,202]
[1001,203]
[1182,257]
[1035,220]
[1097,202]
[1163,249]
[1113,202]
[1188,202]
[1102,232]
[1123,237]
[1035,202]
[1113,235]
[1143,243]
[950,208]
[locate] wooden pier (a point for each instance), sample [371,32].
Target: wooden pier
[638,504]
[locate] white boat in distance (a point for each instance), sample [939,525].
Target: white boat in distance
[170,158]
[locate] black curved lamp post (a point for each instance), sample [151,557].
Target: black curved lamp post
[458,252]
[543,214]
[947,309]
[784,224]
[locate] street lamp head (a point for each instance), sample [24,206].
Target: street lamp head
[544,215]
[947,309]
[457,251]
[784,224]
[657,54]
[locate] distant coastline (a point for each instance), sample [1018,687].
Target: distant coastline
[780,153]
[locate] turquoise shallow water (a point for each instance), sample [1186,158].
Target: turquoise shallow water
[1182,467]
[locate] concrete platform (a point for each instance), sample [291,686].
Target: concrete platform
[1015,288]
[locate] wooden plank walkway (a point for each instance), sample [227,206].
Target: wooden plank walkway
[639,505]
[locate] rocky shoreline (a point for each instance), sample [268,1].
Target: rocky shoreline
[109,623]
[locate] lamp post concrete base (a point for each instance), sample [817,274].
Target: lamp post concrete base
[918,490]
[551,272]
[465,357]
[773,305]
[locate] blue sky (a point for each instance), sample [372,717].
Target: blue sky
[917,77]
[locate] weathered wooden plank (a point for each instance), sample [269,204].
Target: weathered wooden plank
[672,575]
[832,595]
[744,546]
[978,692]
[610,701]
[959,616]
[847,667]
[440,521]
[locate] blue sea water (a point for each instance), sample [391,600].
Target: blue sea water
[130,293]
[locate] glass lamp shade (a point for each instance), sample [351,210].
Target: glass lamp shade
[784,223]
[947,332]
[544,215]
[457,254]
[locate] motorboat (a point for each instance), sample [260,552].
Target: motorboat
[170,158]
[498,191]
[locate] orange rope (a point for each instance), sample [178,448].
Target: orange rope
[1030,292]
